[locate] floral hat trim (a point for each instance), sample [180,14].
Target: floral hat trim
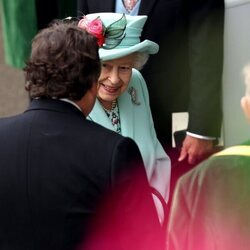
[107,37]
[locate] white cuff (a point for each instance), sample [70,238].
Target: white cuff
[201,136]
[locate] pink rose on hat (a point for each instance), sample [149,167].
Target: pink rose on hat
[94,27]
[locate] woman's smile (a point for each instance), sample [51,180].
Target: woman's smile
[109,89]
[114,79]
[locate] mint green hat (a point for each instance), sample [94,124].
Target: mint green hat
[118,34]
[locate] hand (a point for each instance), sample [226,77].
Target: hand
[195,149]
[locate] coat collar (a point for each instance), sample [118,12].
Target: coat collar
[53,105]
[99,116]
[126,111]
[127,115]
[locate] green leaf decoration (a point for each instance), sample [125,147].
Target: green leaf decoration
[116,29]
[115,32]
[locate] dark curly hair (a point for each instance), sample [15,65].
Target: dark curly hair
[64,62]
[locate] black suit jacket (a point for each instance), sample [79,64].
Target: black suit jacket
[186,74]
[59,171]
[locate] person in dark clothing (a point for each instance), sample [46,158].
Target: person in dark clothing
[58,169]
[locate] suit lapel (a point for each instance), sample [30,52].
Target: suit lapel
[126,114]
[126,111]
[54,105]
[146,7]
[99,116]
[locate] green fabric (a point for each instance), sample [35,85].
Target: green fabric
[19,27]
[210,209]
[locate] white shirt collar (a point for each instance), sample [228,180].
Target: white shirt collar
[69,101]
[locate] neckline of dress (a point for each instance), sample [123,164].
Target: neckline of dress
[114,105]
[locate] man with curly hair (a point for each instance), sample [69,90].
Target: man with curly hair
[57,169]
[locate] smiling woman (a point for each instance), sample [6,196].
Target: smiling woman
[114,79]
[122,103]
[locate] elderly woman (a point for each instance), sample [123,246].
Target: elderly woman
[122,103]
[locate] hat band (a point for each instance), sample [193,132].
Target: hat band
[125,42]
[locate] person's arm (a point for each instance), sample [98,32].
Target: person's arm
[162,165]
[206,22]
[134,202]
[128,218]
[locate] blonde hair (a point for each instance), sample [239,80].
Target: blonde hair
[246,74]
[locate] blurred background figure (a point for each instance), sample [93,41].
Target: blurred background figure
[211,204]
[17,26]
[21,19]
[19,22]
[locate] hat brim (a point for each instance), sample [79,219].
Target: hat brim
[146,46]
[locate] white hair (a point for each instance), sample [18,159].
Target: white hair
[246,73]
[140,60]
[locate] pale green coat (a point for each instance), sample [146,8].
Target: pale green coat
[136,123]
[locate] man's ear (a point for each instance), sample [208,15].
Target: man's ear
[245,105]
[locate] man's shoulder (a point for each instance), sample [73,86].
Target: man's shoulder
[104,135]
[6,122]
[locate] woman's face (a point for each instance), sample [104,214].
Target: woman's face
[114,79]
